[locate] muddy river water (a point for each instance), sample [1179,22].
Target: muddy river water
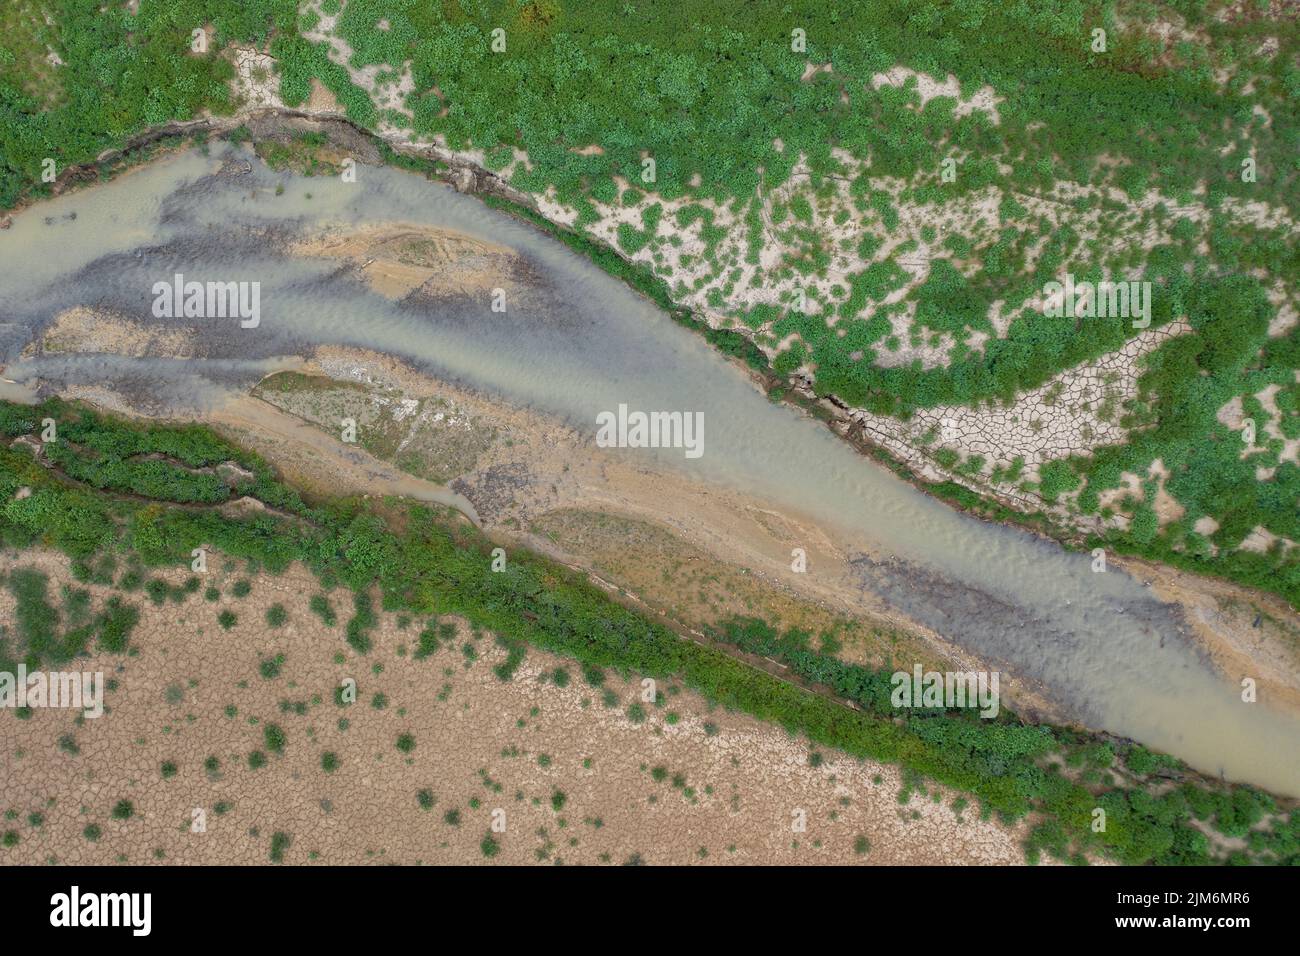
[573,343]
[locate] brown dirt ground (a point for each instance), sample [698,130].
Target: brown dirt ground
[189,690]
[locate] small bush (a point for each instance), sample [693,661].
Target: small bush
[274,737]
[321,607]
[280,841]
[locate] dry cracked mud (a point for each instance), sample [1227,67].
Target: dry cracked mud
[573,776]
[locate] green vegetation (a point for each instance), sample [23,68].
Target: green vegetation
[650,84]
[280,842]
[300,153]
[274,737]
[697,114]
[270,667]
[361,622]
[321,607]
[46,638]
[120,74]
[1186,383]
